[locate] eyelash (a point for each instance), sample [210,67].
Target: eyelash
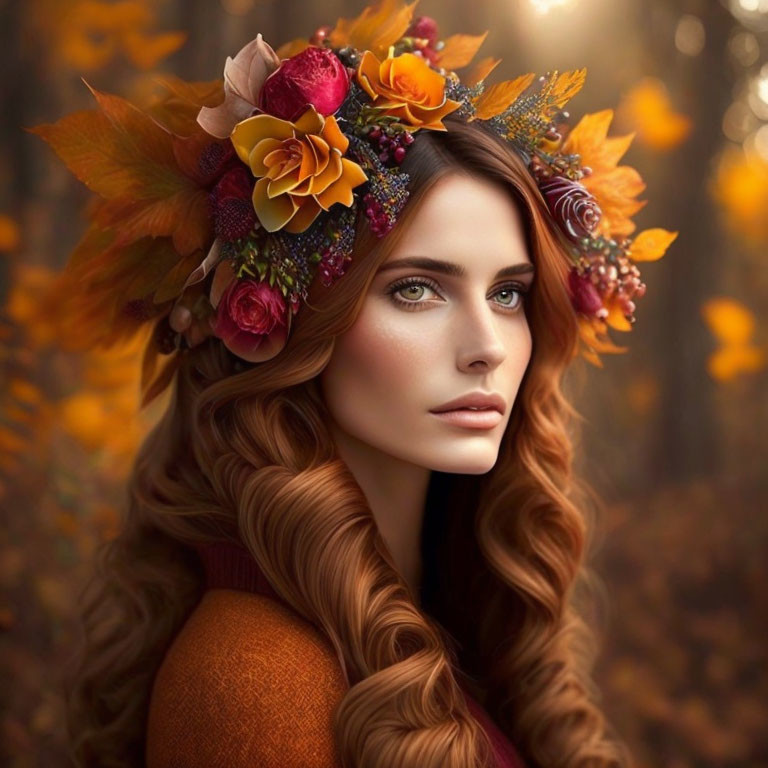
[519,288]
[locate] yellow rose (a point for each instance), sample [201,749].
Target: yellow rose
[299,165]
[407,88]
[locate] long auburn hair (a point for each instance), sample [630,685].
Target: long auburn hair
[244,453]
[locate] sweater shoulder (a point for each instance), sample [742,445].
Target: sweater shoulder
[247,681]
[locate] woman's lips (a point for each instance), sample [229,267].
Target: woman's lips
[464,417]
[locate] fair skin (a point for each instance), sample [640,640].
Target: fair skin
[430,332]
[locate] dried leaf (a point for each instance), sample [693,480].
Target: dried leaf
[494,100]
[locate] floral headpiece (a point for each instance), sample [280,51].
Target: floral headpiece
[218,205]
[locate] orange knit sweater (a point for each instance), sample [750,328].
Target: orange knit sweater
[249,683]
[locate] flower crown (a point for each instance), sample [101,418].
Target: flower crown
[217,207]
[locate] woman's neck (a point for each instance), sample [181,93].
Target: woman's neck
[396,492]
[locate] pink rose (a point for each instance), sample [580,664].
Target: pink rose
[315,76]
[252,320]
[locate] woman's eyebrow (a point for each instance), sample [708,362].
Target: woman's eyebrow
[449,268]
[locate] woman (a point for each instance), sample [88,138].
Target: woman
[355,538]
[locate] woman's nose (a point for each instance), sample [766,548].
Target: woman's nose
[479,344]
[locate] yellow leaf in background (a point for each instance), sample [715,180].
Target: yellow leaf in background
[733,325]
[29,284]
[376,28]
[480,71]
[146,51]
[84,417]
[648,110]
[459,50]
[9,234]
[740,187]
[651,244]
[730,321]
[90,33]
[494,100]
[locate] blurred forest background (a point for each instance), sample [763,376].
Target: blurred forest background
[675,432]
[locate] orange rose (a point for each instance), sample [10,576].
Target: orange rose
[299,165]
[407,88]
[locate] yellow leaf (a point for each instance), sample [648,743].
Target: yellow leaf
[480,71]
[459,50]
[567,85]
[651,244]
[494,100]
[376,28]
[616,319]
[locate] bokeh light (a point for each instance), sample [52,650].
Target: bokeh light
[690,35]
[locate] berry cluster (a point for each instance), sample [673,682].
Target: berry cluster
[380,221]
[612,273]
[390,143]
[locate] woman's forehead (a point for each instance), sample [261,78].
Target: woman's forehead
[464,217]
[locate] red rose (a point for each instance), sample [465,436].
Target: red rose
[251,319]
[315,76]
[233,212]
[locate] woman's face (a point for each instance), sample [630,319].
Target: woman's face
[444,319]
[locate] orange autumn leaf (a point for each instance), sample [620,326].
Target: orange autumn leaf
[647,109]
[480,71]
[594,340]
[459,50]
[494,100]
[651,244]
[376,28]
[567,85]
[615,187]
[125,157]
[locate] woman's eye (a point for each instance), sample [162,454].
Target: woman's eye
[511,297]
[411,292]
